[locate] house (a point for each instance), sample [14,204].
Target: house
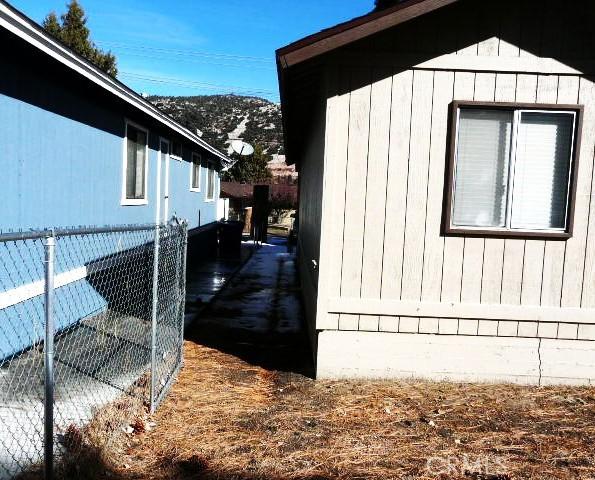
[447,217]
[81,148]
[240,195]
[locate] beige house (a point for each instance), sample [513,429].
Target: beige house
[447,217]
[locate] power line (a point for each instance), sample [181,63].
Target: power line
[195,84]
[204,61]
[197,53]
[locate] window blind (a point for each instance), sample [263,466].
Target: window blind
[481,171]
[195,175]
[211,184]
[135,163]
[542,169]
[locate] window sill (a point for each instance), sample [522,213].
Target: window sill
[128,202]
[510,234]
[175,157]
[195,190]
[209,200]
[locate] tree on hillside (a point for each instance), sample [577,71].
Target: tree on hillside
[72,30]
[252,169]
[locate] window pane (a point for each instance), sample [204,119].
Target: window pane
[135,163]
[211,184]
[542,170]
[195,175]
[481,177]
[140,164]
[130,164]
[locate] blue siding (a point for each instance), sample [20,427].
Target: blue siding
[61,172]
[187,204]
[61,162]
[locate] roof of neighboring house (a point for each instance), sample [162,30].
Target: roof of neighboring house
[353,30]
[245,190]
[26,29]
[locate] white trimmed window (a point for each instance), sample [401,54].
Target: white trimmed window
[195,172]
[512,170]
[136,162]
[211,178]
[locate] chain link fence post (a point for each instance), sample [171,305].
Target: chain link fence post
[49,264]
[154,315]
[183,278]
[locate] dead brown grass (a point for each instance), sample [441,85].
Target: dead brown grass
[225,419]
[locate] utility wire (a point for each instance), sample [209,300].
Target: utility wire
[203,61]
[196,53]
[194,84]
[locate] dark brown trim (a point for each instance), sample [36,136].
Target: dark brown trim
[356,29]
[449,230]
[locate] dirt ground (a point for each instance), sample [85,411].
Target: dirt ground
[227,419]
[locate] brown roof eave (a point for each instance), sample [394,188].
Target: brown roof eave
[353,30]
[338,36]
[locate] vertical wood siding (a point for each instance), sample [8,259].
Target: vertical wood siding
[386,155]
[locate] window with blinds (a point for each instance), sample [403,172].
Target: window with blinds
[136,161]
[195,171]
[210,183]
[512,169]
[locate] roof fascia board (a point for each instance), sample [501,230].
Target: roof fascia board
[32,34]
[357,29]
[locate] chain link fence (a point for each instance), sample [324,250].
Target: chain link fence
[86,316]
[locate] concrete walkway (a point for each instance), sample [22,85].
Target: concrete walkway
[258,315]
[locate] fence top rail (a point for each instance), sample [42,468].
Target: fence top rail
[69,232]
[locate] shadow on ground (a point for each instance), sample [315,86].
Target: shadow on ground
[258,316]
[90,466]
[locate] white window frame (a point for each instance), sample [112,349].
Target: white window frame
[517,110]
[124,201]
[173,156]
[193,165]
[211,168]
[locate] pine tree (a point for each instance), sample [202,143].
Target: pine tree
[252,169]
[51,25]
[73,32]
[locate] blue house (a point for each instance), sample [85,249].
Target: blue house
[80,148]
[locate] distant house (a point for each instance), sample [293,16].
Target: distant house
[447,217]
[80,148]
[241,193]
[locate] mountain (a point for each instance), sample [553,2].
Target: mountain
[221,117]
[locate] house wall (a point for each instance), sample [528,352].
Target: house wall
[61,165]
[62,151]
[310,212]
[450,307]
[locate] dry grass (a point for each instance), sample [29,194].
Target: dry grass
[225,419]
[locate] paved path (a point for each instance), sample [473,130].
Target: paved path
[258,315]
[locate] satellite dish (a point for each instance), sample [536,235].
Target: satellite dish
[242,148]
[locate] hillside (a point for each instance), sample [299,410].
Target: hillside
[221,117]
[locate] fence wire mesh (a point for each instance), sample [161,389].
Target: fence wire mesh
[110,337]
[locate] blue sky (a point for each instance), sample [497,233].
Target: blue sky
[194,47]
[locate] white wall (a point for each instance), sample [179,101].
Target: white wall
[382,250]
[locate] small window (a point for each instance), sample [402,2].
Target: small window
[176,150]
[512,170]
[195,173]
[135,168]
[211,175]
